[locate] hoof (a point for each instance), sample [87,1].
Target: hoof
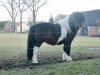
[69,59]
[29,62]
[35,62]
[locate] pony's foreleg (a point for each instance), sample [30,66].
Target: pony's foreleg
[66,52]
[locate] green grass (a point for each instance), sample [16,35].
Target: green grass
[83,67]
[13,45]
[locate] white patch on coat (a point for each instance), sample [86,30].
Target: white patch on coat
[64,28]
[35,51]
[66,57]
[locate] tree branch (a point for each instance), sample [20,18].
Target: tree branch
[16,14]
[38,1]
[6,8]
[28,5]
[41,5]
[8,2]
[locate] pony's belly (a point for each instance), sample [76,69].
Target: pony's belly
[51,41]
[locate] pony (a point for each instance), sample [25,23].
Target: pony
[59,33]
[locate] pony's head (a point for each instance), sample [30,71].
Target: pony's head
[76,20]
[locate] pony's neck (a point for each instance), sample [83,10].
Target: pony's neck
[65,28]
[65,23]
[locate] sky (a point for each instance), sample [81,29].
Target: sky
[55,7]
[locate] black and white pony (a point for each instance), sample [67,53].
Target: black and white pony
[54,34]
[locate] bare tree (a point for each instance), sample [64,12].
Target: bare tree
[11,7]
[34,6]
[22,8]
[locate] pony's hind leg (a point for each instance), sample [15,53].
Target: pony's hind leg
[30,45]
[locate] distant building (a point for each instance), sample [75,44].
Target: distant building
[8,24]
[90,27]
[7,27]
[25,27]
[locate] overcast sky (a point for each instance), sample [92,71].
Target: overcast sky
[55,7]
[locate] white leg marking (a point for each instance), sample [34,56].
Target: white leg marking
[66,57]
[35,51]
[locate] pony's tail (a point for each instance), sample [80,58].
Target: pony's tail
[30,44]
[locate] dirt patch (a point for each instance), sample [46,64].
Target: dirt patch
[43,58]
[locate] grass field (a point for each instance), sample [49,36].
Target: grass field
[85,52]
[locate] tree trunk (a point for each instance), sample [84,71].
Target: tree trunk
[20,21]
[14,25]
[13,22]
[34,16]
[34,19]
